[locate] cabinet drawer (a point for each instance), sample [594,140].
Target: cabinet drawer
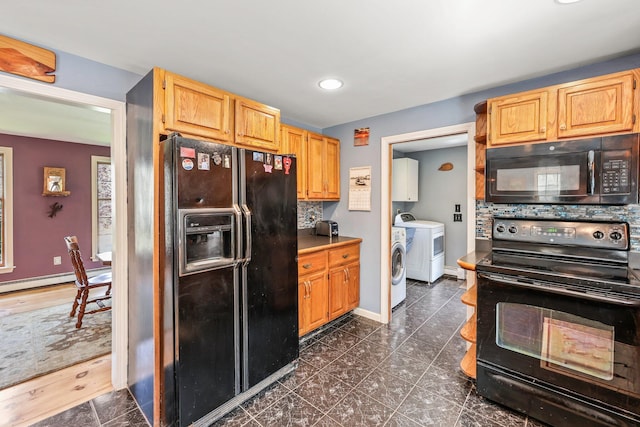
[311,263]
[344,255]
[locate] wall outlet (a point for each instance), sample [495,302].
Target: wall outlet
[57,260]
[457,217]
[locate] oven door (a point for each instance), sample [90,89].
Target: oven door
[544,173]
[562,350]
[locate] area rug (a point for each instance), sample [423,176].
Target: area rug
[42,341]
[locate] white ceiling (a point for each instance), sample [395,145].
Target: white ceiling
[38,117]
[391,55]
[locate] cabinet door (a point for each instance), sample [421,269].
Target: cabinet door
[518,118]
[195,108]
[315,166]
[353,286]
[303,315]
[294,141]
[332,169]
[598,105]
[404,185]
[338,288]
[257,125]
[318,309]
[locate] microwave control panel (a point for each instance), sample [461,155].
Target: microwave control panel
[615,175]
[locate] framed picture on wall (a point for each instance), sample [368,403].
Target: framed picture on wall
[54,182]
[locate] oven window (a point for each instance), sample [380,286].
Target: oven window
[541,179]
[563,340]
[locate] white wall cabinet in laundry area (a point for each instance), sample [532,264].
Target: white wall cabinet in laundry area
[405,180]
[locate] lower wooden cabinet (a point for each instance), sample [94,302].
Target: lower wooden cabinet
[328,285]
[313,302]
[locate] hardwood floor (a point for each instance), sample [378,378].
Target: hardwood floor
[34,299]
[42,397]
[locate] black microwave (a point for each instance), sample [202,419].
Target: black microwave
[597,171]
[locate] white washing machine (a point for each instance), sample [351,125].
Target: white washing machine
[398,265]
[425,247]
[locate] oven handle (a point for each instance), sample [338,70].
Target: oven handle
[559,290]
[591,185]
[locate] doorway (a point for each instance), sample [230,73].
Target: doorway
[387,142]
[119,214]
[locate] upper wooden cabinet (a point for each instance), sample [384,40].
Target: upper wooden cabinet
[601,105]
[195,108]
[323,167]
[257,125]
[199,110]
[315,166]
[332,170]
[294,141]
[518,118]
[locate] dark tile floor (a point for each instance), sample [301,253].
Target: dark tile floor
[109,410]
[357,372]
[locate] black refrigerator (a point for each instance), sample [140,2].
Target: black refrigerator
[231,253]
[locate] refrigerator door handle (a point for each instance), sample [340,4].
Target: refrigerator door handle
[238,237]
[247,233]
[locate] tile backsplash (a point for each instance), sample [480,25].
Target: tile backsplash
[627,213]
[308,214]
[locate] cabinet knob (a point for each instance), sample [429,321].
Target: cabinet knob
[543,129]
[345,256]
[306,266]
[563,126]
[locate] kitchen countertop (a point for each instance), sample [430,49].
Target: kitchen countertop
[312,243]
[469,261]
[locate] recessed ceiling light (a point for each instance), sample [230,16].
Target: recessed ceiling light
[330,84]
[567,1]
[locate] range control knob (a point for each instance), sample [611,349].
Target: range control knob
[513,229]
[598,235]
[615,235]
[500,228]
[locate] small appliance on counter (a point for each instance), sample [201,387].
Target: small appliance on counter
[326,228]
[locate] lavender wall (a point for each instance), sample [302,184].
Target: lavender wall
[38,238]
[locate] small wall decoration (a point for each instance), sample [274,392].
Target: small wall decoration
[54,209]
[446,166]
[54,182]
[24,59]
[360,188]
[361,137]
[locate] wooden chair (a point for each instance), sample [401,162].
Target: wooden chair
[101,285]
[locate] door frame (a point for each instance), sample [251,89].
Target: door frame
[386,157]
[119,319]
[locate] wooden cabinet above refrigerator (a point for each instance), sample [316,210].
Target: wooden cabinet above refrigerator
[198,110]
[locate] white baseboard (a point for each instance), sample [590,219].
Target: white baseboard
[37,282]
[368,314]
[458,272]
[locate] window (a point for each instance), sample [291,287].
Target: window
[6,210]
[101,221]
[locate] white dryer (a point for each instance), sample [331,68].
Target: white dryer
[425,247]
[398,265]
